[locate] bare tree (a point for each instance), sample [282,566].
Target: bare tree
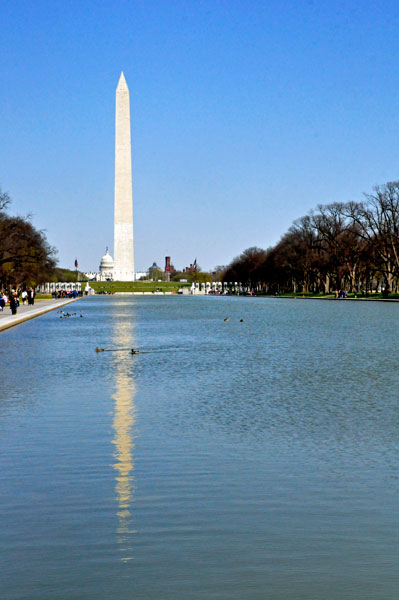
[377,221]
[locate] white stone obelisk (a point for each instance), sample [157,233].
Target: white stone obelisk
[123,207]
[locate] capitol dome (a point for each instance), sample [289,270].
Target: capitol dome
[107,263]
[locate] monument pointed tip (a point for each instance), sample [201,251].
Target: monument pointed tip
[122,81]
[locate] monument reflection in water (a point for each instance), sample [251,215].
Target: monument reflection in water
[123,423]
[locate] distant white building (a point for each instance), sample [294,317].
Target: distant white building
[106,267]
[107,270]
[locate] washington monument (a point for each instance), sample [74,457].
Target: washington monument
[123,207]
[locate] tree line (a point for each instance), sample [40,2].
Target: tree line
[195,275]
[26,257]
[352,246]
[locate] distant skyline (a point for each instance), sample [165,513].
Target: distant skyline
[245,115]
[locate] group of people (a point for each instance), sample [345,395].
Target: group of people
[27,297]
[66,294]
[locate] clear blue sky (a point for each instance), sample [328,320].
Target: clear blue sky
[245,115]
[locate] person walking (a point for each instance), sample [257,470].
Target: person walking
[13,302]
[31,296]
[24,297]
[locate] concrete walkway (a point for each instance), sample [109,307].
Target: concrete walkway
[24,313]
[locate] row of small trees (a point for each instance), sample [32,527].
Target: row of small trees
[195,275]
[26,258]
[352,246]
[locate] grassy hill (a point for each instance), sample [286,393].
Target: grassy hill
[67,275]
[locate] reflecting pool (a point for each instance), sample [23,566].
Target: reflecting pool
[244,459]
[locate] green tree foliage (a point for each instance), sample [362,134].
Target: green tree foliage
[177,275]
[156,274]
[194,276]
[26,258]
[60,274]
[199,277]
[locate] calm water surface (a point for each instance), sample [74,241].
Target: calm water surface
[228,460]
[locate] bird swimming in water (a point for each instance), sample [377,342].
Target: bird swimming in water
[133,351]
[226,319]
[241,320]
[99,349]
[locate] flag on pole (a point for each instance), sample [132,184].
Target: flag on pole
[76,263]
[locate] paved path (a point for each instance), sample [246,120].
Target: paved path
[24,313]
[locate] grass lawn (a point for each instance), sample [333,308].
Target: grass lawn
[136,286]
